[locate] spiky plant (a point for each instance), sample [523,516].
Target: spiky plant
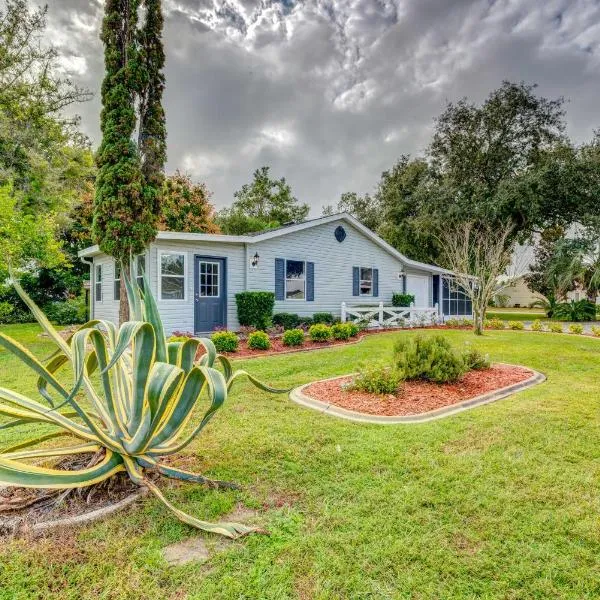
[140,403]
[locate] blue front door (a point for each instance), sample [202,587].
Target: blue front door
[210,293]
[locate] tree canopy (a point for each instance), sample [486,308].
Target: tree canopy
[263,204]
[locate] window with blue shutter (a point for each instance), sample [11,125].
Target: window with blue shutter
[279,279]
[310,282]
[356,281]
[375,283]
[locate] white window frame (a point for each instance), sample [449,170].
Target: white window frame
[115,279]
[162,253]
[136,265]
[285,282]
[360,280]
[98,267]
[219,275]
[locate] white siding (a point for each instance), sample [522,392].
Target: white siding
[108,309]
[333,267]
[178,315]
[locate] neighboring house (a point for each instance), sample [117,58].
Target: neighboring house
[517,294]
[311,267]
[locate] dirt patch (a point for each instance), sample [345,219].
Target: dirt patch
[22,509]
[417,397]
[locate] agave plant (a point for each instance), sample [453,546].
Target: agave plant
[139,405]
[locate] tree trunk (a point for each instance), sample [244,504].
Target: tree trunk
[478,322]
[123,303]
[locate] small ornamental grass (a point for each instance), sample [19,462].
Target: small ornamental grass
[494,323]
[320,333]
[475,360]
[225,341]
[516,325]
[293,337]
[595,330]
[142,404]
[341,331]
[376,379]
[554,327]
[428,358]
[259,340]
[537,325]
[576,328]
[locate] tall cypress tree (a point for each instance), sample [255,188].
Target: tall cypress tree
[130,170]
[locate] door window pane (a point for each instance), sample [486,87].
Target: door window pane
[98,284]
[140,269]
[295,280]
[117,282]
[210,282]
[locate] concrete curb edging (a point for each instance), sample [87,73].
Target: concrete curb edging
[298,396]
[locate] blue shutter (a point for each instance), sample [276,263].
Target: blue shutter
[279,279]
[375,283]
[310,282]
[355,281]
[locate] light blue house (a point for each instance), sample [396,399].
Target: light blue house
[314,266]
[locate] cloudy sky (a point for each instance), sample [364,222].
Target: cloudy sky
[331,92]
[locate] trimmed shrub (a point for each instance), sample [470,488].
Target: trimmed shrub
[325,318]
[596,330]
[6,311]
[458,323]
[576,328]
[293,337]
[402,300]
[286,320]
[225,341]
[537,325]
[474,360]
[428,358]
[255,309]
[375,379]
[516,325]
[494,323]
[320,333]
[341,331]
[353,328]
[259,340]
[554,327]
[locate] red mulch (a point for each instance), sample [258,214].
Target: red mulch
[417,397]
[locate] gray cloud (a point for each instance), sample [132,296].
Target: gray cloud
[332,92]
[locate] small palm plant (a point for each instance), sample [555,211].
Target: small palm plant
[139,409]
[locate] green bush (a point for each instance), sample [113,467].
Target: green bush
[474,360]
[6,311]
[341,331]
[293,337]
[11,314]
[402,299]
[354,329]
[320,333]
[287,320]
[494,323]
[516,325]
[71,312]
[225,341]
[576,328]
[576,310]
[325,318]
[555,327]
[595,331]
[537,325]
[255,309]
[259,340]
[429,358]
[459,323]
[377,380]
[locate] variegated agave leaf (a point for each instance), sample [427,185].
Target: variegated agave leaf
[140,394]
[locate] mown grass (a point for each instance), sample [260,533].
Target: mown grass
[498,502]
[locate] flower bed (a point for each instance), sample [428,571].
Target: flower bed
[417,397]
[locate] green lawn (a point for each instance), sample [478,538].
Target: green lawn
[498,502]
[516,314]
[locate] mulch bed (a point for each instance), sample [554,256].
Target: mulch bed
[417,397]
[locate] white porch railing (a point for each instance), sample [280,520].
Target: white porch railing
[382,316]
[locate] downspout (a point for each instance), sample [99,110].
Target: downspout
[90,264]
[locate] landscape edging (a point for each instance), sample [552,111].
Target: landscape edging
[297,395]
